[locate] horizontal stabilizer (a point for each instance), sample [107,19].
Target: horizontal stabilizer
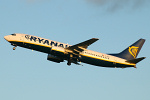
[134,61]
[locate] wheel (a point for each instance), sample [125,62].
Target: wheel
[68,64]
[69,59]
[14,48]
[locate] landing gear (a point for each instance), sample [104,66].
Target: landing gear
[70,59]
[14,48]
[69,62]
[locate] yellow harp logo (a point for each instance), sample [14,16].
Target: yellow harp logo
[133,51]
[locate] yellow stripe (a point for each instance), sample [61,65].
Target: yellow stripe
[81,54]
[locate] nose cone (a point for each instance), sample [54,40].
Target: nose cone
[6,38]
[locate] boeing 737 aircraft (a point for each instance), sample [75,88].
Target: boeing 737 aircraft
[58,52]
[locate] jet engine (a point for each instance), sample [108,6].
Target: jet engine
[54,58]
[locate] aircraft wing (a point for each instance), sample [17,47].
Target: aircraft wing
[81,46]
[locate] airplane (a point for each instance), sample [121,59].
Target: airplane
[59,52]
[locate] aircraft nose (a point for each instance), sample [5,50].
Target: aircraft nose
[6,38]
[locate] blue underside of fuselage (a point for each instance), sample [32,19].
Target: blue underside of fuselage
[85,59]
[103,63]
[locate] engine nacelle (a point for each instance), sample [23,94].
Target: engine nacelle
[54,58]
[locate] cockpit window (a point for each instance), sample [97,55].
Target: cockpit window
[13,34]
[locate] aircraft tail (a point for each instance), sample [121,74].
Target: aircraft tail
[132,51]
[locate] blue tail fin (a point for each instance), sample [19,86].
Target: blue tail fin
[132,51]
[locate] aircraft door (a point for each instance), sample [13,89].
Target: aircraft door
[22,38]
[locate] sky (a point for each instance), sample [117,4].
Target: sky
[27,75]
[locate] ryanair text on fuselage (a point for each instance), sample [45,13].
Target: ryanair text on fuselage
[44,41]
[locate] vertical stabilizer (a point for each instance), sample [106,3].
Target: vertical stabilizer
[132,51]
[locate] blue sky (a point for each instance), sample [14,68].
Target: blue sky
[27,75]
